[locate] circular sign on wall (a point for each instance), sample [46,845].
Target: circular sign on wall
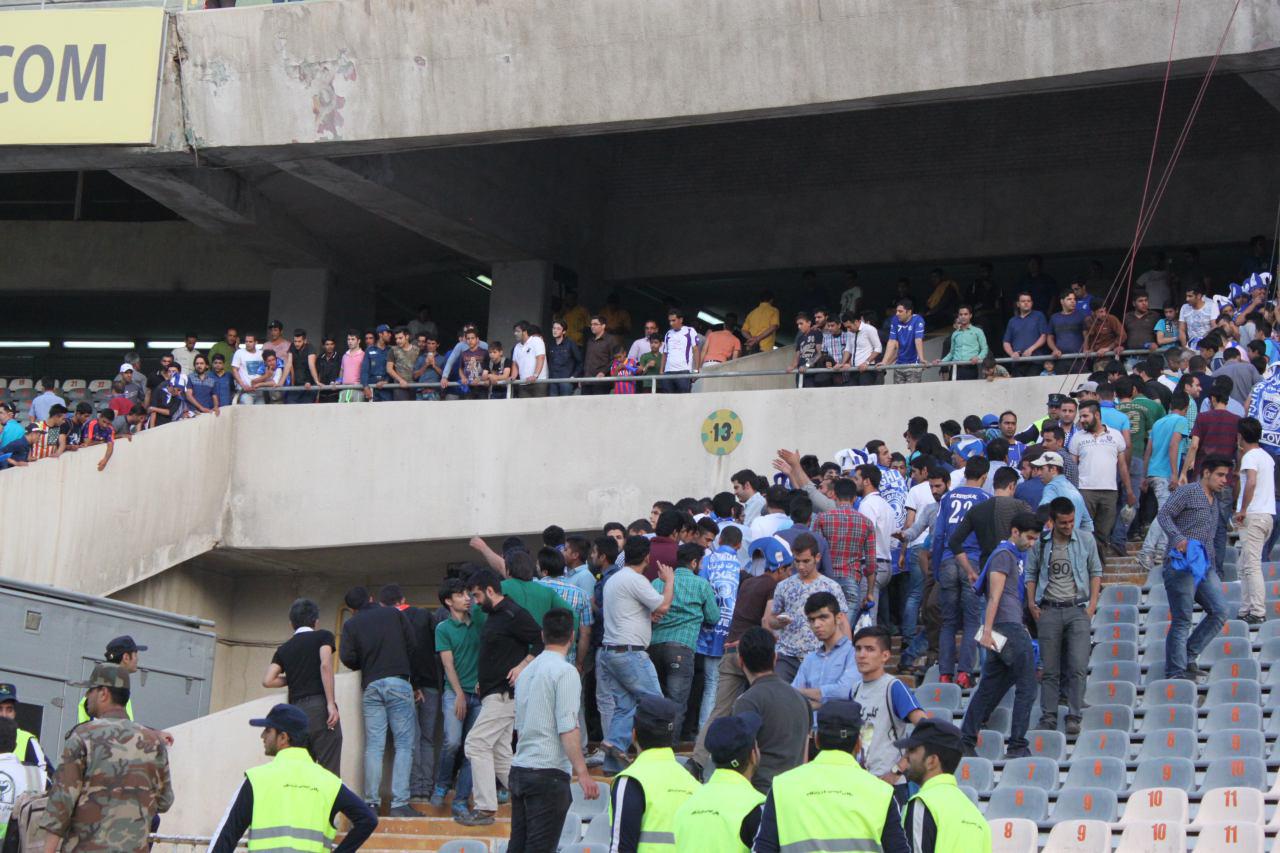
[721,432]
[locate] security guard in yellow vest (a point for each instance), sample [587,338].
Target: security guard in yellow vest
[28,748]
[831,804]
[123,651]
[646,796]
[290,803]
[724,814]
[940,818]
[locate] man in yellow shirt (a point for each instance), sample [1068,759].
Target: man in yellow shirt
[575,318]
[761,326]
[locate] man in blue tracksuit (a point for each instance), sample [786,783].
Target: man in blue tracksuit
[956,598]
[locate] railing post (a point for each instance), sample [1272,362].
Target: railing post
[953,372]
[508,389]
[799,379]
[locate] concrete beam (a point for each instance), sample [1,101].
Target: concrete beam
[220,201]
[370,182]
[1266,84]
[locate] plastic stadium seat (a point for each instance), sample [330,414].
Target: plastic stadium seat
[1165,773]
[1119,593]
[971,794]
[1153,658]
[1119,670]
[1118,631]
[1271,589]
[464,845]
[1156,631]
[1171,743]
[1107,717]
[1246,772]
[1153,837]
[932,675]
[1224,670]
[1158,613]
[990,745]
[1023,802]
[978,773]
[1231,592]
[1001,720]
[1272,726]
[1168,717]
[597,831]
[586,847]
[587,810]
[1234,628]
[1231,805]
[24,384]
[570,832]
[1111,693]
[1113,650]
[1158,595]
[1106,773]
[1013,835]
[1047,744]
[1079,836]
[1231,838]
[933,712]
[99,386]
[1155,805]
[1032,772]
[1233,743]
[1271,645]
[1103,743]
[1237,715]
[1122,613]
[939,695]
[1273,610]
[1235,690]
[1224,648]
[1169,691]
[1086,804]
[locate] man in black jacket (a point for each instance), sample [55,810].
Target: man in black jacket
[378,641]
[425,680]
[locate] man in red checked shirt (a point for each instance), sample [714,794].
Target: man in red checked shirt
[851,543]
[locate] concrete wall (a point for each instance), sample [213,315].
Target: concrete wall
[336,476]
[340,71]
[124,256]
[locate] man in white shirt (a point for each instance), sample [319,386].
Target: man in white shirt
[883,519]
[865,344]
[1103,465]
[1196,317]
[777,500]
[185,355]
[1155,282]
[679,354]
[530,357]
[247,368]
[640,346]
[1255,511]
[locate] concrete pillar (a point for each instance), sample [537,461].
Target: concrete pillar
[521,291]
[299,299]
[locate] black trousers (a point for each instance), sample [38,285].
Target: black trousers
[674,663]
[326,745]
[540,799]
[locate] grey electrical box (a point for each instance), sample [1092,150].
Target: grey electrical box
[52,636]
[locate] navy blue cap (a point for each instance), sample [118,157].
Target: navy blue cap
[656,713]
[775,551]
[8,692]
[1056,400]
[123,645]
[289,719]
[382,327]
[840,717]
[730,739]
[936,733]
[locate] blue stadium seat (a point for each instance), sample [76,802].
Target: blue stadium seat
[1117,613]
[1001,720]
[1232,691]
[1170,772]
[1086,804]
[1180,743]
[1169,717]
[978,773]
[971,794]
[1111,693]
[990,745]
[1109,743]
[1224,670]
[1029,772]
[1246,772]
[1106,773]
[1270,652]
[1224,648]
[1107,717]
[1234,715]
[939,695]
[1119,631]
[1047,744]
[1113,650]
[1169,691]
[1234,628]
[1157,595]
[1233,743]
[1119,593]
[1157,613]
[1023,802]
[1119,670]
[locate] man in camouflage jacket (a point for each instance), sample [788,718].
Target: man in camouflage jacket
[113,778]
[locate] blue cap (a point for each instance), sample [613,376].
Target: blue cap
[289,719]
[966,449]
[382,327]
[8,693]
[730,739]
[776,551]
[990,420]
[655,713]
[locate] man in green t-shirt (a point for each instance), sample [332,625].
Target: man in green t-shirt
[1142,413]
[458,643]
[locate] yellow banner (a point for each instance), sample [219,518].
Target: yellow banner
[77,77]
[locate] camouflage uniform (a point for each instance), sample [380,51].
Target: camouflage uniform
[112,781]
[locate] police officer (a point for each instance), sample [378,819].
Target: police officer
[647,795]
[831,803]
[290,803]
[940,818]
[122,651]
[723,815]
[113,778]
[28,748]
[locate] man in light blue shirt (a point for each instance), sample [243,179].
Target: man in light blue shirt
[40,406]
[10,428]
[722,569]
[576,551]
[1049,467]
[829,672]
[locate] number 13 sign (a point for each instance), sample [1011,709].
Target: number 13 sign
[721,432]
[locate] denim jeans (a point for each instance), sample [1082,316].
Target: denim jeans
[677,385]
[912,623]
[710,680]
[1137,472]
[1014,666]
[674,665]
[1156,541]
[423,776]
[1225,509]
[540,799]
[455,732]
[961,610]
[1184,594]
[629,675]
[388,703]
[560,389]
[854,587]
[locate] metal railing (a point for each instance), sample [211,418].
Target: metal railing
[652,381]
